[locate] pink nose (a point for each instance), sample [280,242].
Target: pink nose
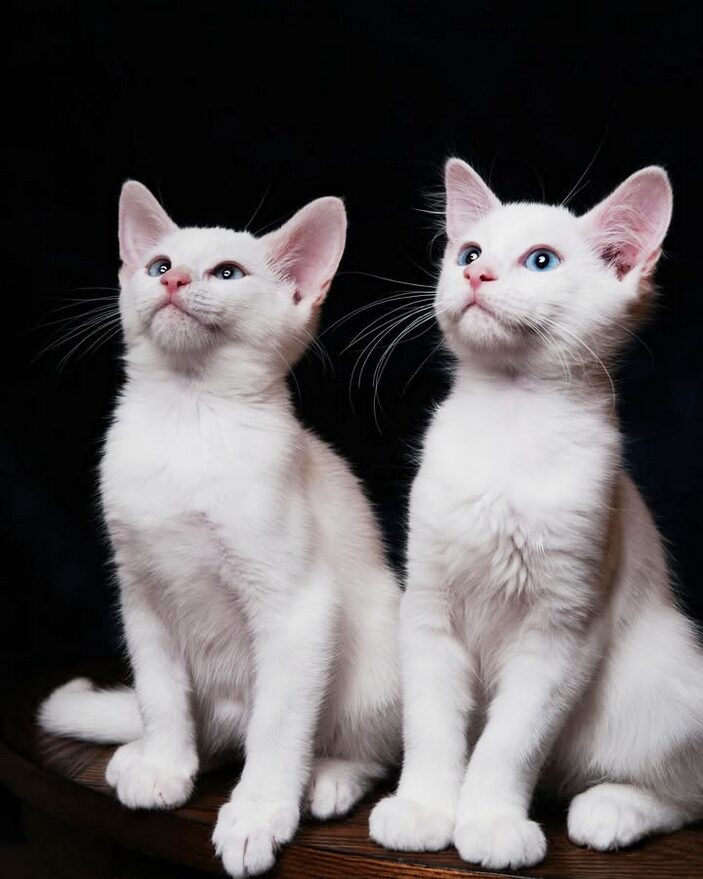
[476,276]
[173,279]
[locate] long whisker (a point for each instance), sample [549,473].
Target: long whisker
[419,368]
[87,325]
[377,321]
[404,296]
[419,319]
[100,336]
[383,329]
[101,310]
[362,359]
[387,354]
[96,329]
[83,323]
[590,350]
[316,346]
[289,369]
[550,342]
[383,278]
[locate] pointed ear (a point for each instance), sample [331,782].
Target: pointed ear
[142,223]
[628,227]
[468,197]
[309,246]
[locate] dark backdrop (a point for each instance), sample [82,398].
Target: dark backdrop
[269,105]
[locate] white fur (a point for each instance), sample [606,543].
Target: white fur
[258,610]
[539,634]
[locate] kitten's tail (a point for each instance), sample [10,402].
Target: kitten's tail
[79,710]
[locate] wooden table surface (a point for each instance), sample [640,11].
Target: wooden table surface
[64,780]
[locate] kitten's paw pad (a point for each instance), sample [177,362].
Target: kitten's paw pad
[500,842]
[602,821]
[405,825]
[248,833]
[335,786]
[144,781]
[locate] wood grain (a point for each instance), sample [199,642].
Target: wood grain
[64,780]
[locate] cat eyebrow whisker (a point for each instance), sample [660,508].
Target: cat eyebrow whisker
[258,208]
[577,187]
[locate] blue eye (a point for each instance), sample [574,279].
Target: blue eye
[468,254]
[158,266]
[541,260]
[227,271]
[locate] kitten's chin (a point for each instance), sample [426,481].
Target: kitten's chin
[174,331]
[477,330]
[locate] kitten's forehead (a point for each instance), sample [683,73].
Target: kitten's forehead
[523,224]
[201,248]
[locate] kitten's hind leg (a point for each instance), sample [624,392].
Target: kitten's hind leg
[337,784]
[611,816]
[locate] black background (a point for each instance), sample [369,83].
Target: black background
[218,107]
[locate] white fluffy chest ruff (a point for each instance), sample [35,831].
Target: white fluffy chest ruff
[509,499]
[205,512]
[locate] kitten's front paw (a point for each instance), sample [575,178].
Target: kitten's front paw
[145,776]
[500,842]
[404,825]
[248,832]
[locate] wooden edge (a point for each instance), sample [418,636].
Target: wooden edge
[159,834]
[178,840]
[304,862]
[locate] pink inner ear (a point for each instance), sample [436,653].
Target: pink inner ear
[143,223]
[468,197]
[309,246]
[628,227]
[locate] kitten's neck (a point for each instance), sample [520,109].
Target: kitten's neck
[227,373]
[590,383]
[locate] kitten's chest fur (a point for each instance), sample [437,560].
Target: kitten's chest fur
[510,498]
[204,508]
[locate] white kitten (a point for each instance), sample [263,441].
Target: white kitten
[539,614]
[258,609]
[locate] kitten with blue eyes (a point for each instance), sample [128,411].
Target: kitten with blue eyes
[540,637]
[258,609]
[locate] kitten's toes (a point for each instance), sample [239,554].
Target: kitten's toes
[405,825]
[500,842]
[145,781]
[337,785]
[248,833]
